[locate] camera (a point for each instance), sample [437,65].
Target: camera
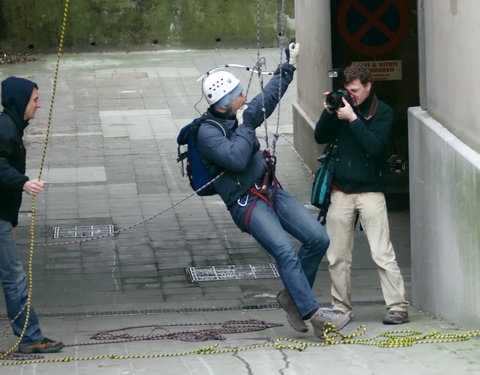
[334,99]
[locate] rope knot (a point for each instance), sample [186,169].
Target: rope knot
[207,350]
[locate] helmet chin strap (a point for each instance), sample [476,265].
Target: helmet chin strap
[229,111]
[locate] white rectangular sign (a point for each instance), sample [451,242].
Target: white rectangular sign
[386,70]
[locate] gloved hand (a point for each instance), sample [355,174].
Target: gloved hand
[293,49]
[286,69]
[245,115]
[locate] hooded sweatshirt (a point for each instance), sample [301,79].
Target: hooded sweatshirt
[16,93]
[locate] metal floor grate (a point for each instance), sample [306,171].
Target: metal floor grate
[82,231]
[233,272]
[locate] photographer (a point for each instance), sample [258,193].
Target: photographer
[361,126]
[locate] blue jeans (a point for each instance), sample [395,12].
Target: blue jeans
[14,281]
[271,228]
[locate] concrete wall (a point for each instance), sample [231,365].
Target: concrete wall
[445,221]
[313,34]
[451,54]
[34,25]
[444,141]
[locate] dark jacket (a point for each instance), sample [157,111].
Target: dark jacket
[239,153]
[360,161]
[16,93]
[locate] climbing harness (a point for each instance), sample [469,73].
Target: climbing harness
[27,306]
[261,191]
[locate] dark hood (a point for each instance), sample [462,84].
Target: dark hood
[16,93]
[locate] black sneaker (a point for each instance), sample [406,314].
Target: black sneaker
[396,317]
[44,346]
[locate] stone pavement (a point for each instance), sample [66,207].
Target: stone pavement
[112,162]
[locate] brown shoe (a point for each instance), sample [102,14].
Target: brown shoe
[44,346]
[293,316]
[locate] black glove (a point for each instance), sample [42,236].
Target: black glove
[286,69]
[245,116]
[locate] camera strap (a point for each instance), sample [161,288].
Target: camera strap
[373,108]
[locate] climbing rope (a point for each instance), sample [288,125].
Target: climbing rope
[282,44]
[257,33]
[138,223]
[27,305]
[331,336]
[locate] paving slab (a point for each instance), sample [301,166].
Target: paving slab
[111,160]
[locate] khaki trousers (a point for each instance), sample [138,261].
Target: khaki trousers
[340,226]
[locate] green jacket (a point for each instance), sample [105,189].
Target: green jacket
[360,162]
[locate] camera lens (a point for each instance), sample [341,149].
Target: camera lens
[333,100]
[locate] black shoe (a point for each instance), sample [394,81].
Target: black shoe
[396,317]
[44,346]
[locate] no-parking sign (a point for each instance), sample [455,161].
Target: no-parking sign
[372,27]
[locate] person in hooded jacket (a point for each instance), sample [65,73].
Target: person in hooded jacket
[256,203]
[20,101]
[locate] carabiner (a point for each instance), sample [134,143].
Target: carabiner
[244,203]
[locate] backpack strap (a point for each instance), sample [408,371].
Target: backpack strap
[212,168]
[217,125]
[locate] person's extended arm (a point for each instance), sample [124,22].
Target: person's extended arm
[275,88]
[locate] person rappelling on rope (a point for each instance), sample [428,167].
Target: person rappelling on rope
[20,101]
[251,192]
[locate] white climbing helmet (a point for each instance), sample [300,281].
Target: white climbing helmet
[217,85]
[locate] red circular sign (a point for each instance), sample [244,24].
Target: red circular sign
[372,31]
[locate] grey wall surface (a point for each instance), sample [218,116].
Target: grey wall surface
[99,25]
[451,53]
[444,141]
[445,221]
[313,34]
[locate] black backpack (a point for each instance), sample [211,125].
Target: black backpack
[197,170]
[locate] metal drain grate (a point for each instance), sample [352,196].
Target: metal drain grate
[233,272]
[82,231]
